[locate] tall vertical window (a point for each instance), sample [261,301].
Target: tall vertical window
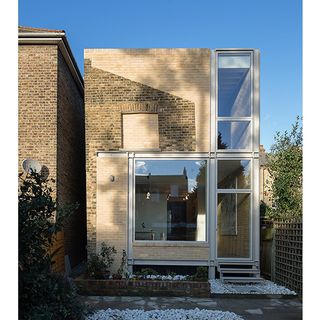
[170,200]
[233,208]
[234,101]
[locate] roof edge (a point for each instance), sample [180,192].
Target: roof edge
[59,38]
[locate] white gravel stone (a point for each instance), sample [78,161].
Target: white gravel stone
[159,277]
[169,314]
[263,287]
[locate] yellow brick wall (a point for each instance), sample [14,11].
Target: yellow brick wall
[140,130]
[171,252]
[112,215]
[184,73]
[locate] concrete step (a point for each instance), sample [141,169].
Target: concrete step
[231,270]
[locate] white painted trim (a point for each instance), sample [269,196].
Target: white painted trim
[256,101]
[130,205]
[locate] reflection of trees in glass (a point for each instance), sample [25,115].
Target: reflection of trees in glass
[221,145]
[232,174]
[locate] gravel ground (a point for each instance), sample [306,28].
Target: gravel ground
[264,287]
[170,314]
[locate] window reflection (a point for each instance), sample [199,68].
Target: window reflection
[234,174]
[170,200]
[234,135]
[233,225]
[234,86]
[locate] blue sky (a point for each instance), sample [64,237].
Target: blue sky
[273,26]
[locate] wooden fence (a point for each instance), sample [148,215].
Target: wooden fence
[281,252]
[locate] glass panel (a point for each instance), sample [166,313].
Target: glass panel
[234,174]
[170,200]
[234,135]
[233,225]
[234,86]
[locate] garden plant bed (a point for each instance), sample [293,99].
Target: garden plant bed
[142,287]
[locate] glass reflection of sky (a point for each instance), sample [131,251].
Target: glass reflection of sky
[235,134]
[170,167]
[234,85]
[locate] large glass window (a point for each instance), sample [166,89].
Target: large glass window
[170,200]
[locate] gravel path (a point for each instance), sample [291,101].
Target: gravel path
[264,287]
[170,314]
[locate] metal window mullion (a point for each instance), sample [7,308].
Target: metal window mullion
[130,207]
[234,190]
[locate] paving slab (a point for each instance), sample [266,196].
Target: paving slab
[249,309]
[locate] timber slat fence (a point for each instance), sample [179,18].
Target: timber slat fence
[288,253]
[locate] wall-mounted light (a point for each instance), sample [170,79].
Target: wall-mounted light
[112,178]
[148,195]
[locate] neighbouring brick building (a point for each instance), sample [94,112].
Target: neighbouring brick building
[172,157]
[52,127]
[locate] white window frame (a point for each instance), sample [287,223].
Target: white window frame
[252,154]
[234,191]
[173,156]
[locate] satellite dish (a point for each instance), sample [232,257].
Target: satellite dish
[29,165]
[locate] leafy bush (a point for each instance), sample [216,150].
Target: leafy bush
[56,299]
[200,275]
[149,271]
[285,166]
[98,264]
[42,294]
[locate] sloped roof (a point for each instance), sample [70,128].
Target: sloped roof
[30,29]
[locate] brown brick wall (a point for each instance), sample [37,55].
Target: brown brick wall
[37,114]
[71,161]
[51,130]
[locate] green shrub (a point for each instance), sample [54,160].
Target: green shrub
[200,275]
[42,294]
[285,167]
[98,264]
[149,271]
[56,299]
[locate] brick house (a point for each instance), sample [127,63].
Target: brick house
[51,128]
[172,157]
